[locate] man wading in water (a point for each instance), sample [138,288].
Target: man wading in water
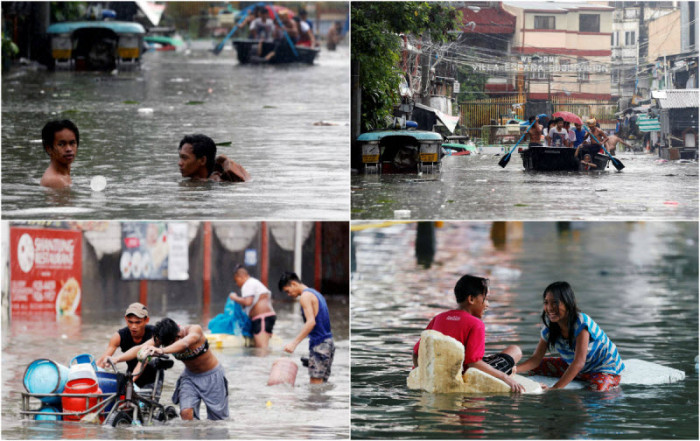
[136,332]
[60,140]
[198,161]
[203,379]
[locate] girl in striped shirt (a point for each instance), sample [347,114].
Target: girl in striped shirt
[585,352]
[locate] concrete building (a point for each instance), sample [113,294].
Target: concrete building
[563,48]
[630,48]
[673,49]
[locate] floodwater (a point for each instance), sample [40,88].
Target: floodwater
[299,412]
[299,170]
[476,187]
[638,281]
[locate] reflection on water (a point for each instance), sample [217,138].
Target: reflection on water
[638,281]
[475,187]
[299,412]
[266,113]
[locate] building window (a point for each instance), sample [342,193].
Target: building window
[589,23]
[691,26]
[544,22]
[630,38]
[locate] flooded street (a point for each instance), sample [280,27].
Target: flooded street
[638,281]
[131,124]
[257,411]
[475,187]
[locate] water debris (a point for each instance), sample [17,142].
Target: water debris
[601,189]
[130,102]
[224,144]
[194,103]
[269,107]
[521,205]
[326,123]
[98,183]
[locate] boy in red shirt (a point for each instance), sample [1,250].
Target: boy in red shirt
[464,324]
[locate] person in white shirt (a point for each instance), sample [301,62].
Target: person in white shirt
[558,136]
[256,300]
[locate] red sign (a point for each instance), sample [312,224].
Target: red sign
[45,272]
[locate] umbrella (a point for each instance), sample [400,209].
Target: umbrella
[568,116]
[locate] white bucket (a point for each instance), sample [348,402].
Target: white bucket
[82,370]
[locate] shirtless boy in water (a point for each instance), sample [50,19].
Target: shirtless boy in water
[60,140]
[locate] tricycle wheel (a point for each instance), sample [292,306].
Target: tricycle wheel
[170,413]
[119,419]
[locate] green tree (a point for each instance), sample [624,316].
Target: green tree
[67,11]
[471,84]
[376,47]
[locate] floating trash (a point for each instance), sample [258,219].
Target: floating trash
[98,183]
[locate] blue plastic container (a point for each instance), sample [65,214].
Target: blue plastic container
[44,376]
[47,417]
[83,358]
[108,384]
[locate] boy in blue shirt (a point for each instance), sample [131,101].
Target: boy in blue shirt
[317,325]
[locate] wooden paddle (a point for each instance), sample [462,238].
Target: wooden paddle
[219,47]
[504,160]
[616,162]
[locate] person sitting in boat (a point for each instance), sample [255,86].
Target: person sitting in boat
[591,144]
[464,324]
[534,134]
[570,131]
[579,133]
[585,351]
[203,379]
[587,163]
[61,140]
[289,29]
[558,136]
[546,130]
[136,332]
[198,161]
[334,36]
[256,300]
[306,33]
[261,26]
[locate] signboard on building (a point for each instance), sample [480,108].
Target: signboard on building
[154,251]
[648,124]
[45,272]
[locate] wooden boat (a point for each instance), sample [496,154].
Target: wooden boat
[558,159]
[401,151]
[247,52]
[96,45]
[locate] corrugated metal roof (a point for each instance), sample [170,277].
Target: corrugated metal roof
[678,98]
